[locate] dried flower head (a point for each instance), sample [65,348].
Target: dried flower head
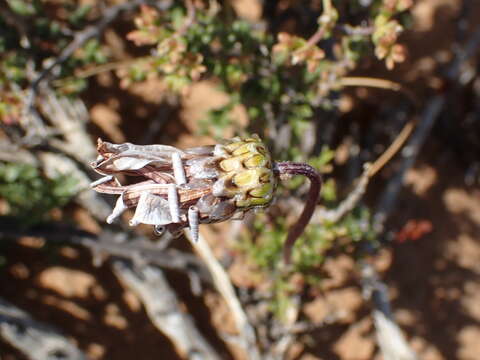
[185,188]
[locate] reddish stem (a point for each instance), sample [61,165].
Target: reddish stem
[292,168]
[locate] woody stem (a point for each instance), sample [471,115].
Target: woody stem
[293,168]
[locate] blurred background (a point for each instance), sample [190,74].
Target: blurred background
[381,96]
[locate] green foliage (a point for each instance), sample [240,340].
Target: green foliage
[47,37]
[263,246]
[284,78]
[78,16]
[24,8]
[30,195]
[217,120]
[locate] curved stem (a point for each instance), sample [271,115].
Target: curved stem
[292,168]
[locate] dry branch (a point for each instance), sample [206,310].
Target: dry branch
[134,248]
[54,164]
[80,39]
[70,118]
[369,171]
[409,153]
[11,152]
[38,341]
[346,205]
[391,341]
[31,118]
[163,309]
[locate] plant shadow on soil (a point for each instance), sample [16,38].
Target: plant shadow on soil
[128,334]
[435,276]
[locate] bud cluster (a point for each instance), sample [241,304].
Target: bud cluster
[293,50]
[10,107]
[170,58]
[387,31]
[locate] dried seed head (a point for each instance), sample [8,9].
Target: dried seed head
[219,181]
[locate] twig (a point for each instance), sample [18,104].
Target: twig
[190,20]
[83,74]
[78,41]
[369,82]
[70,118]
[11,152]
[312,40]
[348,204]
[379,84]
[328,15]
[88,33]
[410,153]
[54,164]
[38,341]
[392,150]
[226,290]
[360,188]
[139,248]
[370,170]
[108,243]
[163,309]
[464,54]
[86,73]
[390,339]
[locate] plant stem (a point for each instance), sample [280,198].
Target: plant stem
[292,168]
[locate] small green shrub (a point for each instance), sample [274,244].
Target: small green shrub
[30,195]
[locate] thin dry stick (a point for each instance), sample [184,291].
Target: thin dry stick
[348,204]
[36,340]
[315,38]
[86,73]
[361,184]
[386,203]
[404,134]
[138,249]
[394,147]
[322,29]
[225,288]
[83,74]
[82,37]
[379,84]
[370,170]
[407,129]
[391,341]
[35,124]
[370,82]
